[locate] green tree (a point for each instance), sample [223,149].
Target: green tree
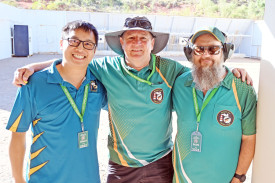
[253,9]
[38,5]
[206,8]
[256,9]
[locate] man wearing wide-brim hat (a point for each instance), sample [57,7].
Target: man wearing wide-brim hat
[138,85]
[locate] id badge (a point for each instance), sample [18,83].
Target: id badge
[83,139]
[196,140]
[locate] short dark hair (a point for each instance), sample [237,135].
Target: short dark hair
[79,24]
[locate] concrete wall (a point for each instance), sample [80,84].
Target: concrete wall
[264,161]
[5,39]
[45,28]
[251,42]
[6,21]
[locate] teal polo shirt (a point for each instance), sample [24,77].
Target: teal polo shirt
[230,114]
[54,154]
[139,113]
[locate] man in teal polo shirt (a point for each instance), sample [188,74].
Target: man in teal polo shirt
[216,115]
[62,105]
[138,85]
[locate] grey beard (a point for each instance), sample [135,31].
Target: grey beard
[206,78]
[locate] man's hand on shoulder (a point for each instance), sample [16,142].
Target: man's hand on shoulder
[21,76]
[241,73]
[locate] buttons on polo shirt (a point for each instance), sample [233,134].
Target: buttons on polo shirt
[140,85]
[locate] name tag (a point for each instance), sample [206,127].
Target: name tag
[196,141]
[83,139]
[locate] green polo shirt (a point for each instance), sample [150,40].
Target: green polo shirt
[139,113]
[230,114]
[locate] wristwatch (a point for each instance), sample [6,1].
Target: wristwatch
[240,177]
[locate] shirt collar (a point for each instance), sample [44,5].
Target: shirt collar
[150,66]
[55,77]
[227,81]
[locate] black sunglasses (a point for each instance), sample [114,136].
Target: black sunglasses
[142,23]
[212,50]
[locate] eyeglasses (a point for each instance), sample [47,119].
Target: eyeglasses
[86,44]
[134,22]
[212,50]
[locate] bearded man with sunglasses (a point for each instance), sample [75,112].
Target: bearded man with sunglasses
[139,86]
[216,115]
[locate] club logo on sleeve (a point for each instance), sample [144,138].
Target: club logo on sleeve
[225,118]
[157,95]
[93,86]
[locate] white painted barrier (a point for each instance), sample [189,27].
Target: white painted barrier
[264,161]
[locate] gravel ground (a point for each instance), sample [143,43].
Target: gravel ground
[8,91]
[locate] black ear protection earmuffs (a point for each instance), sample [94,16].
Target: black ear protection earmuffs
[188,50]
[228,49]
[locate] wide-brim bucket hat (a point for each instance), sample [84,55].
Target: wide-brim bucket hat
[136,23]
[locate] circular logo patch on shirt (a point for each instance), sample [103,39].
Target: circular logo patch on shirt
[225,118]
[93,86]
[157,95]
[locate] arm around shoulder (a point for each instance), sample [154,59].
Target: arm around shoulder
[21,75]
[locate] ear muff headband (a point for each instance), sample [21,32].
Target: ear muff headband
[188,50]
[228,49]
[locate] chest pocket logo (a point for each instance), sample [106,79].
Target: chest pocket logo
[157,95]
[225,118]
[93,86]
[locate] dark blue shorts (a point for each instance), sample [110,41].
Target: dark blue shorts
[160,171]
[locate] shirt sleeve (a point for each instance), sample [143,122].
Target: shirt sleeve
[104,100]
[96,67]
[23,111]
[182,69]
[248,102]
